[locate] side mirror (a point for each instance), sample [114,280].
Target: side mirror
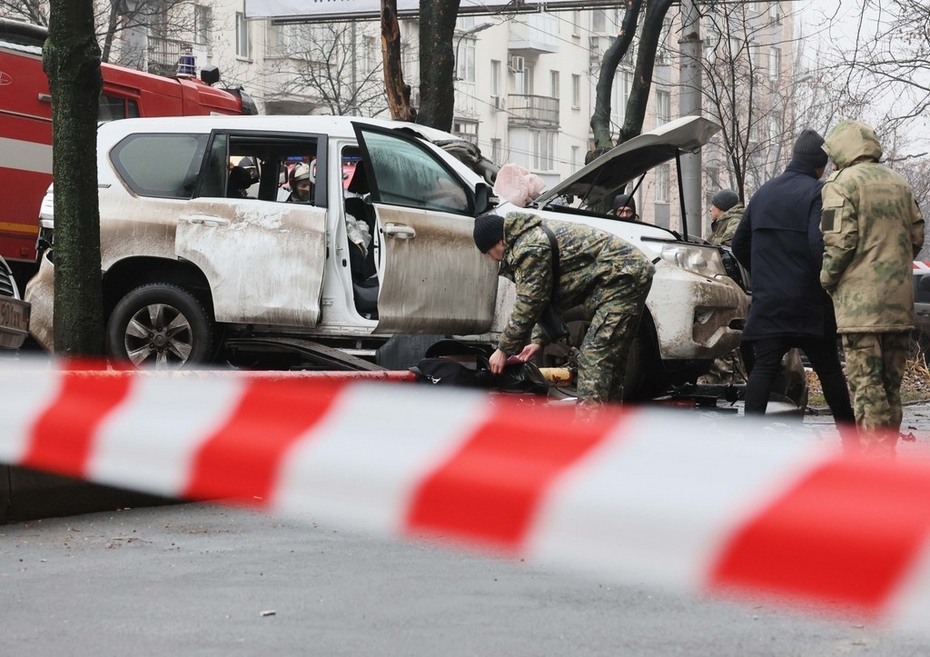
[482,198]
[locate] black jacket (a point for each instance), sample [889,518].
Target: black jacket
[780,243]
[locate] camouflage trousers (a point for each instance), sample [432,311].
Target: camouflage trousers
[875,365]
[615,312]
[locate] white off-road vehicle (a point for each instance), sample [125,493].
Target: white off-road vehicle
[204,259]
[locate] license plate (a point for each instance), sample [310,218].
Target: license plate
[14,316]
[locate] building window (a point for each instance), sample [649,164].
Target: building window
[372,52]
[599,22]
[495,77]
[467,130]
[496,151]
[710,48]
[544,147]
[574,162]
[523,81]
[201,24]
[662,183]
[242,36]
[774,63]
[775,12]
[465,64]
[623,81]
[554,84]
[663,107]
[576,90]
[576,23]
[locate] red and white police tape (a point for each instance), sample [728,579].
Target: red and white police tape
[691,501]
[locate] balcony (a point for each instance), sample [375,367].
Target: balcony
[533,111]
[535,35]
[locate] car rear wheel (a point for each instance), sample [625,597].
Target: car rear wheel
[159,325]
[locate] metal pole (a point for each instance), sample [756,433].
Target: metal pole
[689,104]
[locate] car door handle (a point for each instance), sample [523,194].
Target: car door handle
[399,231]
[208,220]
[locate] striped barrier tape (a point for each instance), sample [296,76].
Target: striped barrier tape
[921,267]
[691,501]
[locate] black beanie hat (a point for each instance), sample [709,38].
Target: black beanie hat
[489,230]
[807,149]
[624,200]
[724,199]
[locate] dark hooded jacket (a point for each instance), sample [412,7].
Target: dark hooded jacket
[780,243]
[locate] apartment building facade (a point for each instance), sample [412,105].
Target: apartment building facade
[525,82]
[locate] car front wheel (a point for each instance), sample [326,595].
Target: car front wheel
[159,325]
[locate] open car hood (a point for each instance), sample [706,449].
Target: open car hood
[607,174]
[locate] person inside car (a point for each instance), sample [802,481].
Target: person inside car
[302,180]
[624,207]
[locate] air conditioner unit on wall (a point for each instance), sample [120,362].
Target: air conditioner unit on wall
[497,103]
[516,64]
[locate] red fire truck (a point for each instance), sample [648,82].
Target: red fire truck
[26,125]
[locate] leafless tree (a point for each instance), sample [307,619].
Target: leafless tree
[653,17]
[336,66]
[28,11]
[116,20]
[890,55]
[760,104]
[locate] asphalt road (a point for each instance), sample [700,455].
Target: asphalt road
[204,580]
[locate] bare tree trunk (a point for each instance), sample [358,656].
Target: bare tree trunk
[71,58]
[600,120]
[645,64]
[398,93]
[437,62]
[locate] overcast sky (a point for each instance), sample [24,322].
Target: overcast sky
[836,25]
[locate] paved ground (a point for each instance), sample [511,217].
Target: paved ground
[206,581]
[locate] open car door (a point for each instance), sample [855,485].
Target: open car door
[433,279]
[263,259]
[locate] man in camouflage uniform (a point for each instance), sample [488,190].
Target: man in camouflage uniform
[872,231]
[609,277]
[725,213]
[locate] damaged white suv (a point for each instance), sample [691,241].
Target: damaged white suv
[205,260]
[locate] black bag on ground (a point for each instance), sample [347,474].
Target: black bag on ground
[450,362]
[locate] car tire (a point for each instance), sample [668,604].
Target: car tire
[159,325]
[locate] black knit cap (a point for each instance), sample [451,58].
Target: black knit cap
[724,199]
[489,230]
[807,149]
[624,201]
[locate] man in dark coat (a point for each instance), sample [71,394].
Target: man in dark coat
[780,243]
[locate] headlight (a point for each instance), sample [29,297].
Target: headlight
[701,260]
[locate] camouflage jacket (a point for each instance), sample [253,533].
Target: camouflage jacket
[589,259]
[872,231]
[724,228]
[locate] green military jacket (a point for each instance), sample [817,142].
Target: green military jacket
[589,259]
[872,231]
[724,228]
